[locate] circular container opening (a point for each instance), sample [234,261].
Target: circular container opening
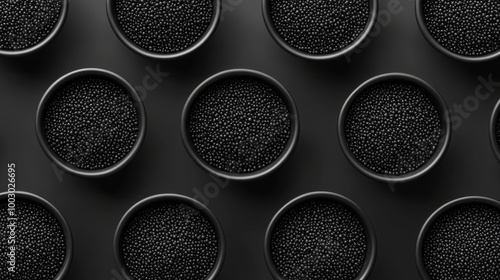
[467,31]
[320,235]
[319,30]
[240,124]
[29,31]
[164,29]
[461,241]
[37,238]
[495,131]
[91,122]
[169,237]
[394,128]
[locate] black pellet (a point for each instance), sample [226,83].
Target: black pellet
[393,128]
[91,123]
[169,241]
[320,26]
[319,239]
[465,27]
[40,247]
[24,24]
[464,243]
[164,26]
[239,124]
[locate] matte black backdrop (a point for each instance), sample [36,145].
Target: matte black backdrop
[93,208]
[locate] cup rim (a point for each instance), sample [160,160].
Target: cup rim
[438,213]
[62,81]
[53,33]
[68,239]
[115,26]
[169,197]
[438,102]
[349,204]
[419,14]
[266,13]
[281,91]
[494,141]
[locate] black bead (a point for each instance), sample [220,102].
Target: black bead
[24,24]
[91,123]
[164,26]
[169,241]
[320,26]
[239,124]
[466,27]
[464,243]
[319,239]
[393,128]
[40,242]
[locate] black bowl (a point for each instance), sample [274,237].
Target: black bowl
[419,13]
[266,11]
[495,145]
[55,31]
[115,25]
[349,204]
[149,201]
[438,213]
[26,196]
[438,102]
[282,91]
[61,82]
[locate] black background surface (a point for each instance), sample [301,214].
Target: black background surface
[93,207]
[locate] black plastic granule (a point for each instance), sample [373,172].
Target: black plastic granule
[40,246]
[164,26]
[319,26]
[465,27]
[239,124]
[91,123]
[169,240]
[23,24]
[393,128]
[319,239]
[464,243]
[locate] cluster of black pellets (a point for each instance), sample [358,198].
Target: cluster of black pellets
[319,239]
[464,243]
[91,123]
[169,240]
[26,23]
[164,26]
[40,246]
[320,26]
[393,128]
[239,124]
[465,27]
